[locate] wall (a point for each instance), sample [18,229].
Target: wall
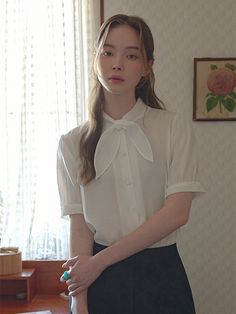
[185,29]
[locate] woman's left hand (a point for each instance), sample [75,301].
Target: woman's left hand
[84,270]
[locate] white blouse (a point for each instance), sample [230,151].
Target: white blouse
[139,161]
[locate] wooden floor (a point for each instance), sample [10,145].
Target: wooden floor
[53,303]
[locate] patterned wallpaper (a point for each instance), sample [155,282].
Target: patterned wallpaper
[185,29]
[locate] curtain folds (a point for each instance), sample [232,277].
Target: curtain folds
[45,60]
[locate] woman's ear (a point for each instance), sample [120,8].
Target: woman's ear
[150,63]
[149,66]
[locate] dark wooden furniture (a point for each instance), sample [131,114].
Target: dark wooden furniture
[44,289]
[23,283]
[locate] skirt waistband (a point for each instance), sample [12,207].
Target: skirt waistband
[159,252]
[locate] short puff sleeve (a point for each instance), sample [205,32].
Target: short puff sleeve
[183,159]
[67,175]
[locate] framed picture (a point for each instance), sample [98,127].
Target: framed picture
[214,90]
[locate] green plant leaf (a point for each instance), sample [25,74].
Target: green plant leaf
[230,66]
[229,104]
[211,103]
[209,94]
[214,67]
[233,95]
[221,98]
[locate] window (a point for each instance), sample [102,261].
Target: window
[45,57]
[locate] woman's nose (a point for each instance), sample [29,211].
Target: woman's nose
[118,65]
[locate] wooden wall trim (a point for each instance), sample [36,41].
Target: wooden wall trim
[101,11]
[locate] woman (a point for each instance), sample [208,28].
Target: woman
[126,179]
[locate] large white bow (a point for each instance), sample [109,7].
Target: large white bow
[109,143]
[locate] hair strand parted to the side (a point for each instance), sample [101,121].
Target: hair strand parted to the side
[144,90]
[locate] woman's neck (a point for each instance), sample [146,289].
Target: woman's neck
[116,106]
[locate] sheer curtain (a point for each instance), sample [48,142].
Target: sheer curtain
[45,57]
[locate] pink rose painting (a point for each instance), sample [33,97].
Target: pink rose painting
[221,83]
[214,89]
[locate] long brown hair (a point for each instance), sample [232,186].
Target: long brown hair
[144,90]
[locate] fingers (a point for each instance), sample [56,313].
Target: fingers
[72,287]
[62,279]
[77,291]
[65,276]
[70,262]
[71,283]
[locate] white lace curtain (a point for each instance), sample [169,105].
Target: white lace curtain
[45,56]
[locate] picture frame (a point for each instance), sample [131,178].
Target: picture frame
[214,89]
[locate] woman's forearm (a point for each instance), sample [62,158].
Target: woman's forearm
[81,237]
[173,215]
[81,243]
[86,269]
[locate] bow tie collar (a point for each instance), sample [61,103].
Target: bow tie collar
[109,144]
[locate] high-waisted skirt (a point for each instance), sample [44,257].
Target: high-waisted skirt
[152,281]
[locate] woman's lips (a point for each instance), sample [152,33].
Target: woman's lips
[116,79]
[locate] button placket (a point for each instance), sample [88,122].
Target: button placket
[127,178]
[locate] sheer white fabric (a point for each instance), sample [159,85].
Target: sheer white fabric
[45,56]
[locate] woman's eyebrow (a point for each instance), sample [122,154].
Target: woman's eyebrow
[126,48]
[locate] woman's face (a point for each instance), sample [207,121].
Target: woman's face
[120,63]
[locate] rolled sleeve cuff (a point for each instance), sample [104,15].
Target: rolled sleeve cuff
[71,209]
[193,186]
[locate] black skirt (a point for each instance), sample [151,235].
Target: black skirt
[152,281]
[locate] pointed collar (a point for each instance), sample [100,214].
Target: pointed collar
[134,114]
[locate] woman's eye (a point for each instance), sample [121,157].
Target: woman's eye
[132,57]
[107,53]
